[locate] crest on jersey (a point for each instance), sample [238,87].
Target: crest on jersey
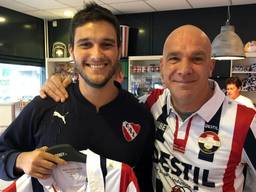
[209,142]
[130,130]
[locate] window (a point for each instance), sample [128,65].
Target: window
[20,82]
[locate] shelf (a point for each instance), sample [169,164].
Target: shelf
[253,54]
[51,64]
[244,72]
[53,60]
[144,74]
[244,69]
[248,91]
[145,58]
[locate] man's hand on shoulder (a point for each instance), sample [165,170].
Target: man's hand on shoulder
[54,87]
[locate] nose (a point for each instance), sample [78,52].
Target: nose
[185,67]
[96,53]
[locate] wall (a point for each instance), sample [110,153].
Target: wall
[157,25]
[149,30]
[141,37]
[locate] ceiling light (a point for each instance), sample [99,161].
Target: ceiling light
[227,45]
[141,31]
[2,19]
[69,13]
[27,26]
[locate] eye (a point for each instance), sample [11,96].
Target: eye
[107,45]
[85,45]
[198,59]
[173,59]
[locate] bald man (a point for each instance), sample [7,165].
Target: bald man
[203,140]
[201,137]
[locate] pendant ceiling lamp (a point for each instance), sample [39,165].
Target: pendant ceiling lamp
[227,45]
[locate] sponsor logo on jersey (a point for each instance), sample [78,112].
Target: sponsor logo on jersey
[176,172]
[211,127]
[209,142]
[130,130]
[62,117]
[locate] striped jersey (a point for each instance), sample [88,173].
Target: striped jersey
[206,152]
[96,175]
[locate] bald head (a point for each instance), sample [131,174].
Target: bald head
[188,34]
[186,66]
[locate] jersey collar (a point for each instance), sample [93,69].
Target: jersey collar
[210,108]
[213,103]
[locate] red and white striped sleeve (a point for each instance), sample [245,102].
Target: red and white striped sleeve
[22,184]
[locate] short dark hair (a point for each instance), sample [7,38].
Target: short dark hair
[234,80]
[93,12]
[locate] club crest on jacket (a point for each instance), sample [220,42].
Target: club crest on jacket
[130,130]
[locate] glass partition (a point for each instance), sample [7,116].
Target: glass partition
[20,82]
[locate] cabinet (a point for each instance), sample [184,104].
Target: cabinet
[143,74]
[21,38]
[58,65]
[246,70]
[8,112]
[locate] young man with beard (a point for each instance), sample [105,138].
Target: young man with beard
[203,139]
[97,115]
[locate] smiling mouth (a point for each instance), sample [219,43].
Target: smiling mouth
[184,82]
[96,66]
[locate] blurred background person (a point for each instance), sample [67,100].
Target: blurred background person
[119,74]
[233,88]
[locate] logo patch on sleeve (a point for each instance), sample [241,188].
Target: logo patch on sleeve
[130,130]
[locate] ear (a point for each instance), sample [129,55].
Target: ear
[119,52]
[70,50]
[211,66]
[71,53]
[161,69]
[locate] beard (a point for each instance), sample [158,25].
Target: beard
[95,84]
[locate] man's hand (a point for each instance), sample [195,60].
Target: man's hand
[55,88]
[38,163]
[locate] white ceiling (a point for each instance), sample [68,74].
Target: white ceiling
[54,9]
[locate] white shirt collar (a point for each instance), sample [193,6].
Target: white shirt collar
[208,110]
